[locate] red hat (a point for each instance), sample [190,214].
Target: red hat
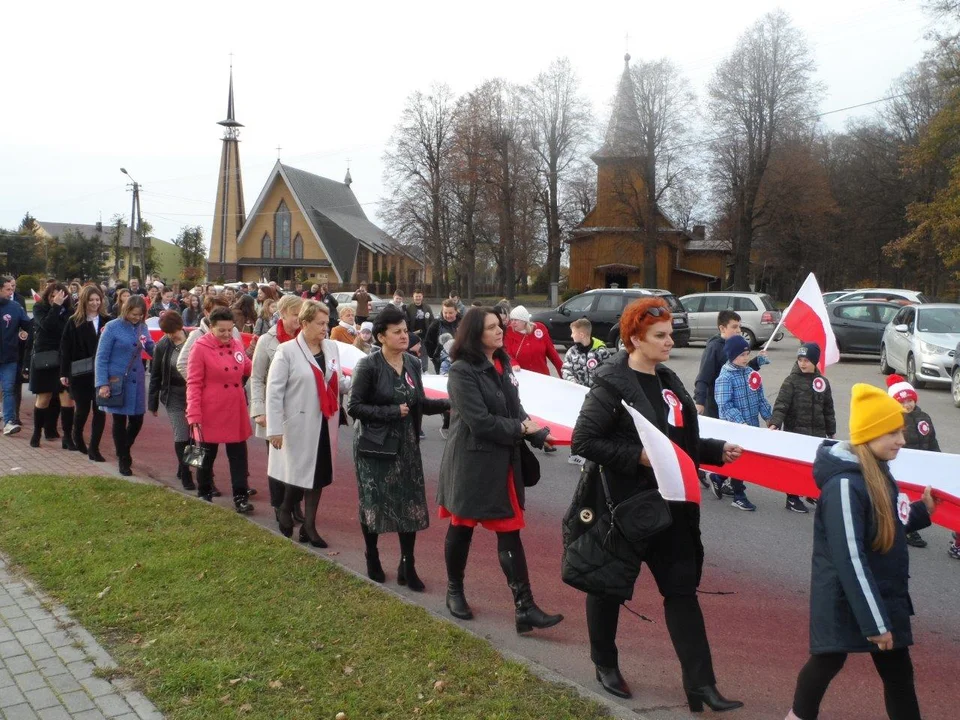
[900,390]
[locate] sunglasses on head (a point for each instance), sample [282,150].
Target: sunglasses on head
[657,311]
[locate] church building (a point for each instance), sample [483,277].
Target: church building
[606,249]
[302,228]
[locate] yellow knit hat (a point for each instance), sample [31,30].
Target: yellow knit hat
[872,413]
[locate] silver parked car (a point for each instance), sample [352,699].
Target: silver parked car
[758,315]
[377,303]
[920,342]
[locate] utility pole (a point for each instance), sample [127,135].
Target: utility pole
[133,211]
[135,218]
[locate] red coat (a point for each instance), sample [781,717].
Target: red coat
[215,395]
[530,351]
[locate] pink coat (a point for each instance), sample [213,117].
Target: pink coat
[215,395]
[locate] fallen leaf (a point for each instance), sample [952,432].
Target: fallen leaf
[275,684]
[341,716]
[348,670]
[235,681]
[333,552]
[103,593]
[201,575]
[246,707]
[439,686]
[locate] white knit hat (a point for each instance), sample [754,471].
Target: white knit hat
[520,313]
[368,326]
[900,390]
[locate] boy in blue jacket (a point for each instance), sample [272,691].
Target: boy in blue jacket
[740,399]
[13,321]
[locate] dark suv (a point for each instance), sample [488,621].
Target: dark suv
[603,309]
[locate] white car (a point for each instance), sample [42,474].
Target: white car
[345,299]
[920,343]
[888,294]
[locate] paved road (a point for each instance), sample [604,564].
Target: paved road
[758,561]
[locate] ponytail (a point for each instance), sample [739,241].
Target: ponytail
[877,488]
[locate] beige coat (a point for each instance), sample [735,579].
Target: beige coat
[293,410]
[262,358]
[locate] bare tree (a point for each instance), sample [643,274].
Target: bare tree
[415,170]
[559,121]
[756,94]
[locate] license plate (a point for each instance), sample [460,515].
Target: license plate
[678,321]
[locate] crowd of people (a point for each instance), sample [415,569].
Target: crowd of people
[253,360]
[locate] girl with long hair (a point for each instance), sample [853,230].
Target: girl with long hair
[50,316]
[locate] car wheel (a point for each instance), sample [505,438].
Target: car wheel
[749,337]
[912,373]
[885,369]
[955,387]
[778,337]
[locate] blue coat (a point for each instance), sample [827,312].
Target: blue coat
[857,592]
[13,319]
[118,341]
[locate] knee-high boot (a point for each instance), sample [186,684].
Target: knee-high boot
[50,419]
[97,426]
[66,424]
[39,420]
[455,551]
[529,616]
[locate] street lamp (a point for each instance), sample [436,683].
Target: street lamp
[135,217]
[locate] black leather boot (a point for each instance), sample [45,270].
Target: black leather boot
[407,574]
[78,444]
[50,418]
[529,616]
[66,422]
[242,504]
[613,682]
[374,568]
[709,695]
[125,465]
[39,417]
[456,550]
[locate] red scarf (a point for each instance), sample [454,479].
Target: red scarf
[327,393]
[282,332]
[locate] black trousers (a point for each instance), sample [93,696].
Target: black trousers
[675,559]
[125,431]
[84,406]
[894,667]
[236,456]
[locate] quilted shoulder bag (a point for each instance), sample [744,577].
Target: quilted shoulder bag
[639,516]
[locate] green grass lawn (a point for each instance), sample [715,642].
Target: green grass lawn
[216,618]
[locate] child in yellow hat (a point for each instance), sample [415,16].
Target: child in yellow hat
[859,599]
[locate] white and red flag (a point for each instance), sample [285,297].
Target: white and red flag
[806,317]
[674,469]
[36,296]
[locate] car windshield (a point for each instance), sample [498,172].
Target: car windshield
[767,302]
[674,303]
[939,320]
[923,298]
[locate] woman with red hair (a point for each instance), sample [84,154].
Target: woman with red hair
[607,436]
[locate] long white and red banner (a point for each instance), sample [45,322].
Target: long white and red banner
[778,460]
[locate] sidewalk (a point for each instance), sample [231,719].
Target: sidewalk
[49,665]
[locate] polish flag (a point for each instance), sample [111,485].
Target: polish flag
[806,317]
[36,297]
[674,469]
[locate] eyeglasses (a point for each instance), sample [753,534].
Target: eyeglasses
[657,311]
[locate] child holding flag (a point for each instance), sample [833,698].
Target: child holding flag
[918,430]
[805,405]
[740,399]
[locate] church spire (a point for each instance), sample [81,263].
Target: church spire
[624,135]
[229,214]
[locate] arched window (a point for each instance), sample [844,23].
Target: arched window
[298,247]
[266,247]
[281,230]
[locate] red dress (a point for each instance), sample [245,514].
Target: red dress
[500,524]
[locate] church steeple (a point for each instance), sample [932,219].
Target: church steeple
[229,214]
[624,138]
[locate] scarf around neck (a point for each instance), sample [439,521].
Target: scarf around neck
[282,335]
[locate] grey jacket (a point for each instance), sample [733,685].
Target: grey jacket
[485,432]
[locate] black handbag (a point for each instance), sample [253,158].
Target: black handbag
[386,450]
[81,367]
[46,360]
[529,466]
[195,454]
[639,516]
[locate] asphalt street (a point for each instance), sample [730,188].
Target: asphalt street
[754,589]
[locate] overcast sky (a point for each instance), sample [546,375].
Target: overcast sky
[90,87]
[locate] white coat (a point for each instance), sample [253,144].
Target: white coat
[293,410]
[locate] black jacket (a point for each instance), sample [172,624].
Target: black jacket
[485,432]
[805,405]
[605,435]
[163,375]
[49,322]
[918,431]
[431,341]
[78,343]
[857,592]
[711,363]
[371,396]
[419,318]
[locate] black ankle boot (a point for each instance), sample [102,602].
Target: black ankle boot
[125,465]
[186,478]
[709,695]
[67,443]
[78,444]
[613,682]
[528,615]
[242,504]
[407,574]
[39,416]
[374,568]
[94,454]
[457,601]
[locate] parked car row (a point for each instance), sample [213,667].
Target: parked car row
[921,343]
[759,315]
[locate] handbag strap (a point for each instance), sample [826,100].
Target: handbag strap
[606,489]
[133,357]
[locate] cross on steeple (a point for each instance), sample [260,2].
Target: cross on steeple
[278,151]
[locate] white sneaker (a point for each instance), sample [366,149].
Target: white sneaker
[576,460]
[11,429]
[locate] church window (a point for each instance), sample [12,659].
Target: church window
[363,261]
[266,247]
[281,230]
[298,247]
